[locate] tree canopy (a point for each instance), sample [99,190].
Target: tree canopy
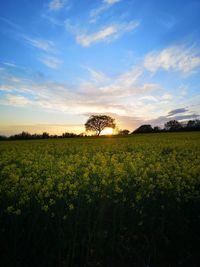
[97,123]
[173,125]
[124,132]
[146,128]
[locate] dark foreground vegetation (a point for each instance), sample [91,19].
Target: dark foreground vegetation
[131,201]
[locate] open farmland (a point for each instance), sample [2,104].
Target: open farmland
[116,201]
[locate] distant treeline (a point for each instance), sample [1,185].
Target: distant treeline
[170,126]
[45,135]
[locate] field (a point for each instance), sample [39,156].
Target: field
[115,201]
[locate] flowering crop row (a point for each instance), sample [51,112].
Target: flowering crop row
[101,201]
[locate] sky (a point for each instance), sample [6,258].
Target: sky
[64,60]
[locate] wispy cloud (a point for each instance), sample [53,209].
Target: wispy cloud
[177,111]
[51,62]
[6,87]
[124,85]
[149,98]
[128,95]
[97,76]
[162,99]
[11,23]
[102,93]
[9,64]
[87,40]
[174,58]
[56,4]
[44,45]
[17,100]
[167,97]
[111,2]
[108,33]
[106,4]
[54,21]
[49,48]
[161,120]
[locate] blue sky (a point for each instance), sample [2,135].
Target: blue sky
[63,60]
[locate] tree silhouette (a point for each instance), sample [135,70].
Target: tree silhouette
[173,125]
[99,122]
[45,135]
[146,128]
[124,132]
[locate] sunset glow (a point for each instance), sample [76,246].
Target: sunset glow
[107,131]
[63,60]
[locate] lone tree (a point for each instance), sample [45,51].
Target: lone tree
[99,122]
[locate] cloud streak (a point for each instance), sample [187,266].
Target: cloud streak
[56,5]
[111,2]
[108,33]
[17,100]
[44,45]
[101,93]
[175,58]
[106,4]
[128,95]
[177,111]
[51,62]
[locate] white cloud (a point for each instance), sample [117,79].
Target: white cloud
[6,76]
[126,84]
[6,87]
[128,95]
[167,96]
[111,2]
[107,34]
[149,98]
[102,93]
[87,40]
[15,79]
[129,78]
[16,100]
[97,76]
[45,45]
[173,58]
[10,64]
[94,14]
[51,62]
[56,4]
